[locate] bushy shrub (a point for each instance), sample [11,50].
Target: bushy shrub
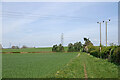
[94,53]
[61,48]
[70,47]
[115,55]
[87,45]
[105,52]
[87,42]
[55,48]
[91,48]
[15,47]
[77,46]
[24,46]
[111,57]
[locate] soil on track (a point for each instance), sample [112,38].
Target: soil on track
[29,52]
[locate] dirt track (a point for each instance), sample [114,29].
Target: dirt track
[30,52]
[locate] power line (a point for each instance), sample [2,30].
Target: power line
[21,14]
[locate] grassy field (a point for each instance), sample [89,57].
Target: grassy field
[29,49]
[55,65]
[95,68]
[37,65]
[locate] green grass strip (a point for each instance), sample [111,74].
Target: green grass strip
[95,68]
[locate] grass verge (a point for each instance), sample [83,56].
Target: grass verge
[95,68]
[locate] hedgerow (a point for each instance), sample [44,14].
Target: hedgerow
[112,53]
[94,53]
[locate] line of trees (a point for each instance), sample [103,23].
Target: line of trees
[58,48]
[74,47]
[112,52]
[71,47]
[16,47]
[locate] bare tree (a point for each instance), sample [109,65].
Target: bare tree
[15,47]
[24,46]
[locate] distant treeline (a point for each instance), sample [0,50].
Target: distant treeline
[71,47]
[112,52]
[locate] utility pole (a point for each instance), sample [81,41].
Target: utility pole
[106,33]
[100,34]
[62,38]
[106,30]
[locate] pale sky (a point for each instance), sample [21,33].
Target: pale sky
[40,24]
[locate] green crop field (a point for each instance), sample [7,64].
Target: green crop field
[37,65]
[29,49]
[55,65]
